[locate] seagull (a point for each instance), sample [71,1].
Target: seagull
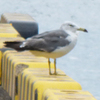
[50,44]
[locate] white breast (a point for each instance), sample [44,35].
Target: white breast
[61,51]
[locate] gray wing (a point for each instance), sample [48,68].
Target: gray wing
[47,41]
[54,33]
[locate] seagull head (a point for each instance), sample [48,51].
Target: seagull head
[72,27]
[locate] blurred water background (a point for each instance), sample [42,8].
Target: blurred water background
[83,62]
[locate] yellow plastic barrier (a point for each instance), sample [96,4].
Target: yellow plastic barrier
[24,80]
[23,23]
[19,63]
[18,57]
[5,68]
[33,82]
[2,48]
[13,59]
[7,30]
[0,67]
[54,94]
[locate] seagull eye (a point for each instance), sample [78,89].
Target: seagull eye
[71,25]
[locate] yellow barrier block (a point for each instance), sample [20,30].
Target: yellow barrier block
[23,23]
[1,45]
[16,97]
[4,67]
[36,81]
[23,94]
[19,64]
[16,17]
[0,66]
[6,56]
[15,61]
[7,30]
[54,94]
[22,56]
[3,49]
[3,39]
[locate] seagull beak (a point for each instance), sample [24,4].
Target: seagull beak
[82,29]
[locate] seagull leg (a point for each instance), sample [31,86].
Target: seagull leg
[49,66]
[55,67]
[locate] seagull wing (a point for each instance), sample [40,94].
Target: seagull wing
[55,33]
[47,41]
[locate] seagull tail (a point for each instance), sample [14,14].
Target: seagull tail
[14,45]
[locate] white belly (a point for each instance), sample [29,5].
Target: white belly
[64,50]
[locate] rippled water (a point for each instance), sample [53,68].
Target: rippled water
[83,62]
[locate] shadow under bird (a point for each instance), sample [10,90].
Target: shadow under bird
[51,44]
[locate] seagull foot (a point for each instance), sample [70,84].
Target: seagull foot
[53,73]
